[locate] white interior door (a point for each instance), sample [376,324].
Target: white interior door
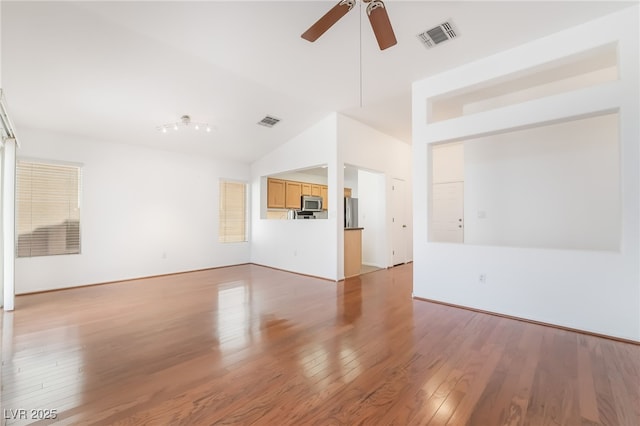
[398,222]
[448,212]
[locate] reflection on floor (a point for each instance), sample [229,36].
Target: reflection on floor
[365,269]
[252,345]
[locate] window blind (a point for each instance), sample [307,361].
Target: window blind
[233,212]
[47,209]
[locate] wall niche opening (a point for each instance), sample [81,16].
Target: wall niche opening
[585,69]
[553,186]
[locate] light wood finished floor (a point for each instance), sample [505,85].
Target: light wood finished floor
[251,345]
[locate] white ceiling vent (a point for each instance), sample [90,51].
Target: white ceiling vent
[440,34]
[269,121]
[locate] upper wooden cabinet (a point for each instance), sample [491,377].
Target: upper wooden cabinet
[285,194]
[275,193]
[324,193]
[293,192]
[347,192]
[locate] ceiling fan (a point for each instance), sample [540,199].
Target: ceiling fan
[376,11]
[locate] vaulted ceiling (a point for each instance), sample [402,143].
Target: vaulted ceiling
[114,71]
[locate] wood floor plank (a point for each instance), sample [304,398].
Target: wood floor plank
[625,398]
[253,345]
[586,389]
[474,384]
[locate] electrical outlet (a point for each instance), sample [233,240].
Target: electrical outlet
[482,278]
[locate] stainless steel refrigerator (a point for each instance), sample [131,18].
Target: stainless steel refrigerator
[350,212]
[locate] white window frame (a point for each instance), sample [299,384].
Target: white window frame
[53,229]
[222,237]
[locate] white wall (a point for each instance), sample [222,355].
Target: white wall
[304,177]
[1,185]
[372,218]
[366,148]
[563,85]
[143,212]
[555,186]
[303,246]
[1,222]
[595,291]
[316,247]
[351,180]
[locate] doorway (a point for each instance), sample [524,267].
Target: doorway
[448,212]
[368,187]
[399,245]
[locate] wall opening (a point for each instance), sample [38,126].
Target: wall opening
[553,186]
[581,70]
[282,193]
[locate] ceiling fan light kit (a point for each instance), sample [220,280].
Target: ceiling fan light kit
[378,17]
[184,123]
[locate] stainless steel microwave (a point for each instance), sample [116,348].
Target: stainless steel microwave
[311,204]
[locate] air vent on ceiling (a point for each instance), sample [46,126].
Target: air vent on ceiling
[440,34]
[269,121]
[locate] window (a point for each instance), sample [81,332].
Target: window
[233,212]
[47,209]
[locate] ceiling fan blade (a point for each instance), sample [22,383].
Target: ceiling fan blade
[329,18]
[381,25]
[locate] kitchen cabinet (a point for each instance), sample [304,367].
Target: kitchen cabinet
[293,191]
[352,252]
[324,193]
[285,194]
[275,193]
[347,192]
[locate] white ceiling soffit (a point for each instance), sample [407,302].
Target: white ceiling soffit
[114,71]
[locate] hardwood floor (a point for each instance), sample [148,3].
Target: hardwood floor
[253,345]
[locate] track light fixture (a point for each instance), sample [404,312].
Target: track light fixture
[184,123]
